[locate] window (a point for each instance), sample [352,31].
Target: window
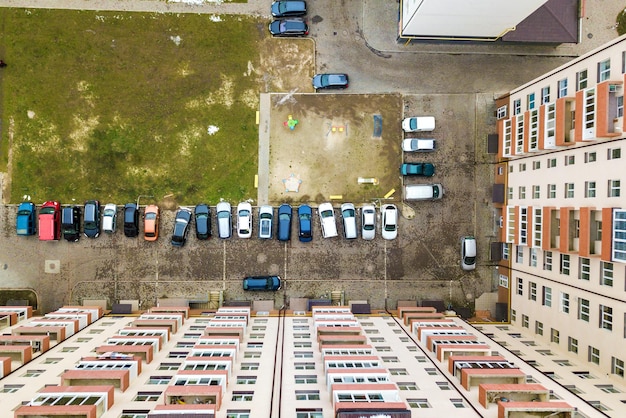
[536,192]
[52,360]
[590,157]
[581,80]
[530,99]
[617,366]
[69,349]
[418,403]
[135,413]
[606,317]
[606,273]
[524,321]
[533,257]
[32,373]
[309,413]
[431,371]
[147,396]
[391,359]
[604,70]
[307,395]
[593,355]
[305,379]
[532,291]
[522,167]
[513,315]
[246,380]
[509,193]
[251,354]
[250,366]
[519,257]
[159,380]
[458,403]
[590,189]
[565,264]
[242,396]
[614,188]
[443,385]
[584,269]
[620,107]
[545,95]
[536,165]
[522,192]
[547,260]
[583,309]
[407,385]
[398,372]
[505,251]
[555,335]
[538,327]
[520,286]
[10,388]
[551,191]
[613,153]
[169,366]
[502,112]
[503,281]
[570,159]
[546,299]
[572,345]
[618,235]
[569,190]
[562,88]
[303,354]
[564,302]
[517,107]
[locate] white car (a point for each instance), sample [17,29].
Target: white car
[224,225]
[418,145]
[244,220]
[109,218]
[389,215]
[419,124]
[348,214]
[368,222]
[266,218]
[327,219]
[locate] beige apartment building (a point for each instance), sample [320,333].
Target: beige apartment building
[562,211]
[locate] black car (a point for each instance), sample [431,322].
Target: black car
[286,8]
[70,223]
[330,81]
[91,226]
[131,220]
[181,227]
[203,221]
[289,27]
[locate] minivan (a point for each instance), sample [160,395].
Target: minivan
[261,283]
[70,223]
[327,219]
[348,214]
[224,220]
[423,192]
[468,253]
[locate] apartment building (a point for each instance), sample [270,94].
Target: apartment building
[563,213]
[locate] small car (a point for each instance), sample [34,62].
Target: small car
[25,222]
[91,224]
[266,218]
[368,222]
[50,221]
[330,81]
[418,145]
[389,215]
[289,27]
[131,220]
[419,124]
[417,169]
[244,220]
[70,223]
[151,223]
[286,8]
[305,224]
[284,222]
[109,218]
[327,219]
[203,221]
[261,283]
[348,214]
[224,220]
[468,253]
[181,227]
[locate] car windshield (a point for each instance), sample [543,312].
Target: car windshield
[150,216]
[244,213]
[109,212]
[24,212]
[179,228]
[266,216]
[413,123]
[223,214]
[470,260]
[327,214]
[47,210]
[348,213]
[305,216]
[284,217]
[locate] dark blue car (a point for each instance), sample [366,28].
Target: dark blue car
[284,222]
[305,214]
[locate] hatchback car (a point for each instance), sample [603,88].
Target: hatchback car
[70,223]
[50,221]
[91,225]
[203,221]
[368,222]
[109,217]
[131,220]
[151,223]
[289,27]
[26,222]
[417,169]
[330,81]
[327,219]
[286,8]
[468,253]
[266,219]
[224,220]
[419,124]
[261,283]
[284,222]
[305,224]
[418,145]
[181,227]
[348,214]
[244,220]
[389,215]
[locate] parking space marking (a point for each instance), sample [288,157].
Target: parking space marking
[223,264]
[285,262]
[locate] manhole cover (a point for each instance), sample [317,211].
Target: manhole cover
[52,266]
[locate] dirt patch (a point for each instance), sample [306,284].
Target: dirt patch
[333,145]
[286,65]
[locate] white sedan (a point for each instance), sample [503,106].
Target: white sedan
[244,220]
[389,215]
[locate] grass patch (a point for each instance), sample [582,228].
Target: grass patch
[112,105]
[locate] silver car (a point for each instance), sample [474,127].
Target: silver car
[266,219]
[224,220]
[368,222]
[109,218]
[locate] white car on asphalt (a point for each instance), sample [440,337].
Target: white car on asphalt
[224,220]
[244,220]
[109,218]
[266,217]
[389,215]
[368,222]
[419,124]
[327,219]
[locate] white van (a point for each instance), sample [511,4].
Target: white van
[423,192]
[348,214]
[327,219]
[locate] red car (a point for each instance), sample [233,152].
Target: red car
[50,221]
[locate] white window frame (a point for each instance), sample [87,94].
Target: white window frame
[590,189]
[562,84]
[614,188]
[604,70]
[502,112]
[581,79]
[606,317]
[517,107]
[583,309]
[584,268]
[606,273]
[564,302]
[565,266]
[545,95]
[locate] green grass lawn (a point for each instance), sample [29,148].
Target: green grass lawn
[111,105]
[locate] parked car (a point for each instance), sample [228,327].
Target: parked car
[266,218]
[368,222]
[305,224]
[423,192]
[181,227]
[224,220]
[284,222]
[70,223]
[203,221]
[348,214]
[261,283]
[417,169]
[50,221]
[419,124]
[468,253]
[109,217]
[244,220]
[327,219]
[289,27]
[91,224]
[287,8]
[25,222]
[330,81]
[131,220]
[418,145]
[389,215]
[151,223]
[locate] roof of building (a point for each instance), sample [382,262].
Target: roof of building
[554,22]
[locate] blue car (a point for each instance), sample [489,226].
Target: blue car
[284,222]
[25,223]
[305,214]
